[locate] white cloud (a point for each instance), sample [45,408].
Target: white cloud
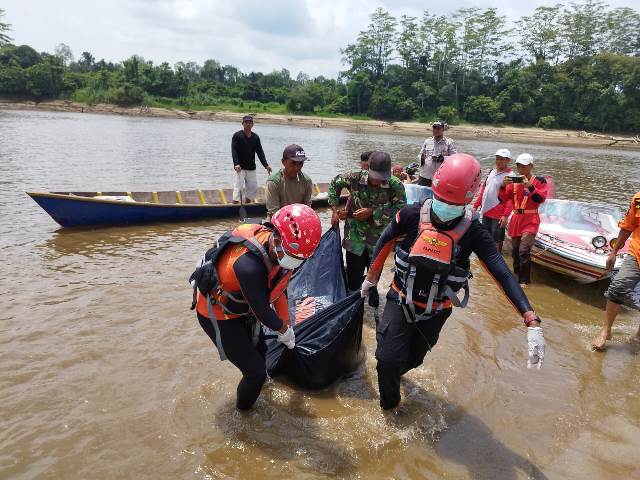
[254,35]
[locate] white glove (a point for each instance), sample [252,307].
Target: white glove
[366,286]
[535,339]
[288,338]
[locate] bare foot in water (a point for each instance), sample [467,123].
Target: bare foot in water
[599,343]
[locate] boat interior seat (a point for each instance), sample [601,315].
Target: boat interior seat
[191,197]
[167,197]
[142,196]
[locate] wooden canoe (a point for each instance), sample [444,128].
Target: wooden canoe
[72,209]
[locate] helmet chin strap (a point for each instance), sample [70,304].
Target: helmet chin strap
[272,248]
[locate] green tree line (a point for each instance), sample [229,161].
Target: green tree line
[572,66]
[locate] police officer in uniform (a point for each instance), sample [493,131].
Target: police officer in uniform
[433,152]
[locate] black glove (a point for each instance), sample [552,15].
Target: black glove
[374,297]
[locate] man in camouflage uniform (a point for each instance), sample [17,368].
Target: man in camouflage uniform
[374,198]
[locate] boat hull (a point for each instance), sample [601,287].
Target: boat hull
[578,268]
[82,209]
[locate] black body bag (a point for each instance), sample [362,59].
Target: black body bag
[329,342]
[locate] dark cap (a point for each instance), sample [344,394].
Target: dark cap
[437,124]
[294,152]
[247,118]
[380,166]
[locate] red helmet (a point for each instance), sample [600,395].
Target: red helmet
[458,179]
[299,228]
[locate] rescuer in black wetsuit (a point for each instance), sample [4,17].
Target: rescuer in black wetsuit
[411,322]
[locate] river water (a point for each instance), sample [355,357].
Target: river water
[106,373]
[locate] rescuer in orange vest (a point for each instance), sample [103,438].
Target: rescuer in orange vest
[241,284]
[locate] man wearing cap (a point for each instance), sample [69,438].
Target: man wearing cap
[433,152]
[524,193]
[489,202]
[244,146]
[289,185]
[374,198]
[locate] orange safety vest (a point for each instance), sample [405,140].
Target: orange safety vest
[518,206]
[435,251]
[227,300]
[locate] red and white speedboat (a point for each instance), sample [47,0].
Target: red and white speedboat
[575,238]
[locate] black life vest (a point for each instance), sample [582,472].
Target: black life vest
[434,251]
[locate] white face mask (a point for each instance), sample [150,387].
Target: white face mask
[289,263]
[286,261]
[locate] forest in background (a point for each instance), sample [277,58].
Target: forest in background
[573,66]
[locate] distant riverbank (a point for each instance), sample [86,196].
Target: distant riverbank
[465,132]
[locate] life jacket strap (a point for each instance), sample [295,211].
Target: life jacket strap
[409,307]
[216,329]
[455,300]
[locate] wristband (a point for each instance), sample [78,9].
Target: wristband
[531,317]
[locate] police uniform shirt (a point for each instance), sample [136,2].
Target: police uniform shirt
[434,148]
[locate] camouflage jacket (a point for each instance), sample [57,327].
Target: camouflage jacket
[385,201]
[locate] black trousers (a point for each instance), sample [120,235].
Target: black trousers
[425,182]
[236,336]
[521,254]
[402,346]
[356,266]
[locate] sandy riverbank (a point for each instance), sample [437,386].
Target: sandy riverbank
[508,134]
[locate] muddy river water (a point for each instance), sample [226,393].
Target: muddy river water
[105,372]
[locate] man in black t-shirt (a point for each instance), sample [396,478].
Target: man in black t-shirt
[244,146]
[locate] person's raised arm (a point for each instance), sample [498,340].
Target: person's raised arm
[333,196]
[538,194]
[384,213]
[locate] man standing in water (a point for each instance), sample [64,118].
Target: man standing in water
[244,146]
[434,242]
[491,204]
[289,185]
[628,276]
[433,152]
[241,285]
[524,194]
[374,198]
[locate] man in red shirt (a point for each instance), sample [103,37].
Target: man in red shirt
[489,203]
[524,193]
[629,274]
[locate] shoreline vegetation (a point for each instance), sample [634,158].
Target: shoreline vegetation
[533,135]
[565,69]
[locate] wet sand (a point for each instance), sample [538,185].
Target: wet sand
[538,136]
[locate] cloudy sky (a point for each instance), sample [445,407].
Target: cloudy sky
[254,35]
